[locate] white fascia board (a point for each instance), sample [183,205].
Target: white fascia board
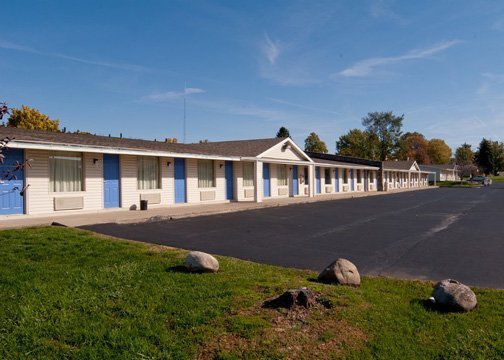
[289,140]
[112,150]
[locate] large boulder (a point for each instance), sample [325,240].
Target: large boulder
[197,261]
[454,296]
[341,271]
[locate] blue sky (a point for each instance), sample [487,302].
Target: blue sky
[251,67]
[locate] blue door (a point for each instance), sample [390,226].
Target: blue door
[336,180]
[352,185]
[317,178]
[266,180]
[365,180]
[11,200]
[111,186]
[295,181]
[229,180]
[180,181]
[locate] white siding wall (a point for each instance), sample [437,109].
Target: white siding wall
[194,192]
[130,194]
[40,200]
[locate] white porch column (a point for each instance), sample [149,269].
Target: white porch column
[311,175]
[258,181]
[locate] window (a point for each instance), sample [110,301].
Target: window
[148,173]
[206,177]
[65,172]
[282,175]
[327,176]
[359,178]
[345,176]
[248,174]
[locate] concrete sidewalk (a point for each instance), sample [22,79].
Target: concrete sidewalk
[174,212]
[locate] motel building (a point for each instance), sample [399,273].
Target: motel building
[75,172]
[403,175]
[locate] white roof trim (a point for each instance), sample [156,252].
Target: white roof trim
[111,150]
[276,161]
[297,148]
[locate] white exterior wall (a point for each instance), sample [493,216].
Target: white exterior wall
[192,189]
[130,194]
[40,200]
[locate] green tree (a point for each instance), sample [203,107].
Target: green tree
[413,146]
[387,129]
[31,118]
[314,144]
[490,156]
[439,152]
[283,132]
[464,155]
[358,143]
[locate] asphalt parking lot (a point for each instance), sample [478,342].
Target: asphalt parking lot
[431,234]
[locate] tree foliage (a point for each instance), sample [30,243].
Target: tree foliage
[490,156]
[439,152]
[413,146]
[359,143]
[283,132]
[31,118]
[314,144]
[464,155]
[387,128]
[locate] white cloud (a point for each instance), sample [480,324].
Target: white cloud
[367,66]
[172,95]
[270,49]
[16,47]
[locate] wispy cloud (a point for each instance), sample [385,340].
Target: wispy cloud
[270,49]
[367,66]
[304,107]
[21,48]
[172,95]
[380,9]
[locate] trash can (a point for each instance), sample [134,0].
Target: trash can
[144,204]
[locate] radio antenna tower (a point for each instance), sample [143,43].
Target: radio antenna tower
[185,134]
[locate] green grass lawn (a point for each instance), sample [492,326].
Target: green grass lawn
[497,178]
[67,293]
[456,184]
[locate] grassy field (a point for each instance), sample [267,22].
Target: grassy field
[67,293]
[498,178]
[456,184]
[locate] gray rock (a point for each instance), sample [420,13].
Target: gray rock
[197,261]
[341,271]
[454,296]
[296,297]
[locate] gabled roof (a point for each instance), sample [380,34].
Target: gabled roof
[398,165]
[237,148]
[242,148]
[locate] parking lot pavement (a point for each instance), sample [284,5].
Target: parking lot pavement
[442,233]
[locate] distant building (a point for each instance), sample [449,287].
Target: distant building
[443,172]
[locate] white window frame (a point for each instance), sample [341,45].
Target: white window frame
[282,180]
[73,156]
[141,171]
[248,174]
[209,165]
[327,175]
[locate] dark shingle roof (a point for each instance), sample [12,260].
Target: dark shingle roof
[344,164]
[344,159]
[440,166]
[397,165]
[243,148]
